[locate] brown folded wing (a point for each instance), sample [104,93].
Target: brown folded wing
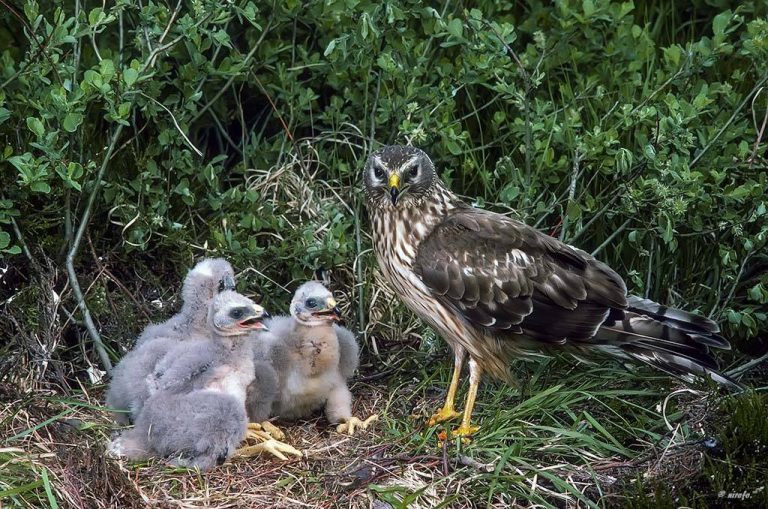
[507,278]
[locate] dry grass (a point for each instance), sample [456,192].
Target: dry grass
[399,462]
[66,438]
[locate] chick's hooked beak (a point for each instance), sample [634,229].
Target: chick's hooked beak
[253,319]
[331,310]
[394,187]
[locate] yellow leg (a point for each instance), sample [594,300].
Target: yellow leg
[264,431]
[448,411]
[270,438]
[271,446]
[465,429]
[349,424]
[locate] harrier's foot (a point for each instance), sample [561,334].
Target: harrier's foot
[445,414]
[464,431]
[350,423]
[264,431]
[272,446]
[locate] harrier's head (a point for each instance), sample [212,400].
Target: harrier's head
[232,314]
[313,304]
[397,175]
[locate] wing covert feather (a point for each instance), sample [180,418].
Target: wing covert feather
[505,276]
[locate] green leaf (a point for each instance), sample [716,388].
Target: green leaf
[40,187]
[95,16]
[720,23]
[672,54]
[589,8]
[106,69]
[36,126]
[573,210]
[4,115]
[453,147]
[222,38]
[130,76]
[329,49]
[5,240]
[72,121]
[455,27]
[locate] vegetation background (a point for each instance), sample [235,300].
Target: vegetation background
[140,135]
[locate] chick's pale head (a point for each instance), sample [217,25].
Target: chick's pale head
[205,280]
[313,304]
[232,314]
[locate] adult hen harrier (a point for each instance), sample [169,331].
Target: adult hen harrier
[495,288]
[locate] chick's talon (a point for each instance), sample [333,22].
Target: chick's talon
[258,436]
[273,430]
[271,446]
[350,423]
[265,430]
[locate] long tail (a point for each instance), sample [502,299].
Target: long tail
[666,338]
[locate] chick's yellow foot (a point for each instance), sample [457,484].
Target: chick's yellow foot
[349,424]
[464,431]
[261,431]
[271,446]
[445,414]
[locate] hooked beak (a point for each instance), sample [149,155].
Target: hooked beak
[331,310]
[394,187]
[255,320]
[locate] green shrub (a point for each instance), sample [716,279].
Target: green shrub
[239,128]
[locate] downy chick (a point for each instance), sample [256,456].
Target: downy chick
[196,415]
[128,390]
[314,358]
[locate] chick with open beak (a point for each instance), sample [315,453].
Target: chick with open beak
[314,358]
[313,304]
[239,316]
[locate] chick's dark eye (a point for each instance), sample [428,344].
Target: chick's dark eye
[311,303]
[378,171]
[236,313]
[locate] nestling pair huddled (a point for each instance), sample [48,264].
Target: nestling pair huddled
[198,385]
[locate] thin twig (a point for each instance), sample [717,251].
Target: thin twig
[90,326]
[176,124]
[170,22]
[571,191]
[119,283]
[24,247]
[224,133]
[232,78]
[729,122]
[760,132]
[612,236]
[594,218]
[735,284]
[13,10]
[144,28]
[740,370]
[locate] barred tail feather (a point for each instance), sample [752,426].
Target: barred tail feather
[705,329]
[672,340]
